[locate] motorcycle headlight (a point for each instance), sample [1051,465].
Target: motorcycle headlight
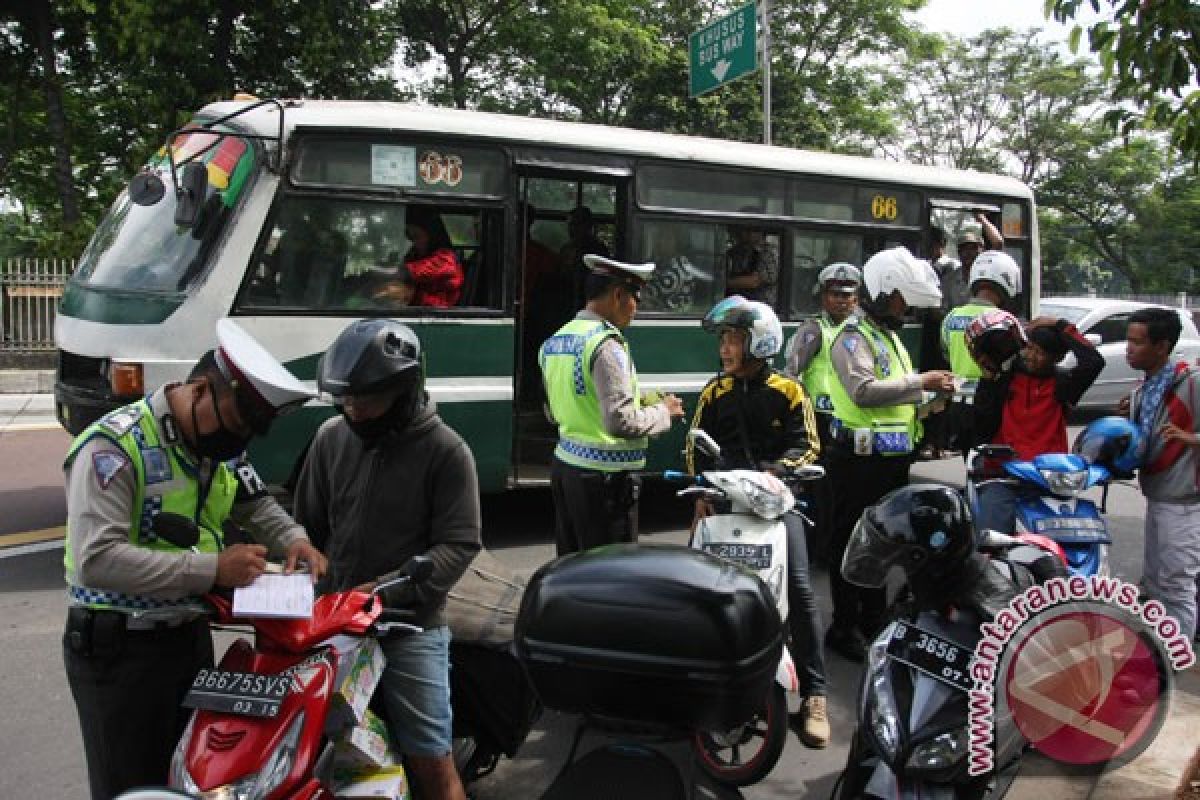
[254,786]
[882,715]
[765,504]
[940,752]
[1065,483]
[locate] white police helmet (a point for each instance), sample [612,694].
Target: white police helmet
[999,268]
[897,270]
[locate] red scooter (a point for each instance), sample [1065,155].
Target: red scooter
[259,725]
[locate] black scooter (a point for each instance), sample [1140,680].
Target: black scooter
[912,739]
[649,645]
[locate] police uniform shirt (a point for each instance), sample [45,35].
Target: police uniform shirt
[853,358]
[101,489]
[804,346]
[614,391]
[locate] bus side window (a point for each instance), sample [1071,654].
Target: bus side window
[812,251]
[687,256]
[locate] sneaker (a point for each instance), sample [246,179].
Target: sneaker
[812,722]
[850,644]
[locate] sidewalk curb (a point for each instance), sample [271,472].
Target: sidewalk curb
[26,381]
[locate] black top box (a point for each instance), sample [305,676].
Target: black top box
[661,634]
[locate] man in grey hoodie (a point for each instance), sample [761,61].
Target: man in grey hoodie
[383,482]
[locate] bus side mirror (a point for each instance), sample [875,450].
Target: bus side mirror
[146,188]
[190,194]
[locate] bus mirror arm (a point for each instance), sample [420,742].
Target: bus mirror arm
[190,193]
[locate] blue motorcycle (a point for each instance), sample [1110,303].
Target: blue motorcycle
[1046,492]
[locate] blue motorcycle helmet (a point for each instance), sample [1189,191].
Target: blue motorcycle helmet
[1111,442]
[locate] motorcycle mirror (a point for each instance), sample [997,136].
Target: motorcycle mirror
[177,529]
[704,443]
[146,188]
[190,194]
[995,540]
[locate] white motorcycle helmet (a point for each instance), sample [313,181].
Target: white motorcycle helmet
[999,268]
[757,319]
[897,270]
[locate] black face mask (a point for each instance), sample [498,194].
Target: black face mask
[221,444]
[394,420]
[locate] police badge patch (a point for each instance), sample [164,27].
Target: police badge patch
[158,465]
[850,343]
[106,464]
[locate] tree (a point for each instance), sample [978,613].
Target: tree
[994,102]
[1150,50]
[1124,206]
[125,73]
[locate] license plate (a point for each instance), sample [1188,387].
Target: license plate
[938,658]
[1087,529]
[752,556]
[247,693]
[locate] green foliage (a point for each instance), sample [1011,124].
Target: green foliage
[131,71]
[1150,51]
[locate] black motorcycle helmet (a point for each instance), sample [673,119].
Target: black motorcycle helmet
[371,357]
[925,529]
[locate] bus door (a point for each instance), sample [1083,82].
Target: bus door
[562,214]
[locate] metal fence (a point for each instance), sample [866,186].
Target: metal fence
[30,289]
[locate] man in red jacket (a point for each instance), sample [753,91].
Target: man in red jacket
[1025,406]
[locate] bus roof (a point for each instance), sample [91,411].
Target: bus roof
[379,115]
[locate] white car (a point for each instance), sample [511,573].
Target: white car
[1104,322]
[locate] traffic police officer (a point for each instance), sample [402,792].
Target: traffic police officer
[874,429]
[808,361]
[995,281]
[136,634]
[603,420]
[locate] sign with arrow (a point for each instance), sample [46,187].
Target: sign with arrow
[722,51]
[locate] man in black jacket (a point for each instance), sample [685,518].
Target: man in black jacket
[764,420]
[385,481]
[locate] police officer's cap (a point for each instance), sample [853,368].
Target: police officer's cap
[263,387]
[840,277]
[636,274]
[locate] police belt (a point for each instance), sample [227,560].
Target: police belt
[882,442]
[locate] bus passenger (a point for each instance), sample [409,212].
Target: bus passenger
[582,240]
[751,265]
[955,282]
[603,420]
[383,482]
[432,274]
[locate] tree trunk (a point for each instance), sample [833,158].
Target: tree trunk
[39,29]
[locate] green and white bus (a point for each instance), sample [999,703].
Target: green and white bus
[301,204]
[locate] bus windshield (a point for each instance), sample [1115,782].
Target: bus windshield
[141,248]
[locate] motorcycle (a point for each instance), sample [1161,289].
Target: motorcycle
[258,730]
[748,530]
[1049,501]
[913,738]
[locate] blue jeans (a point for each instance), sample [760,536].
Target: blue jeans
[416,692]
[804,620]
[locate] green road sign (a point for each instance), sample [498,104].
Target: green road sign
[722,51]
